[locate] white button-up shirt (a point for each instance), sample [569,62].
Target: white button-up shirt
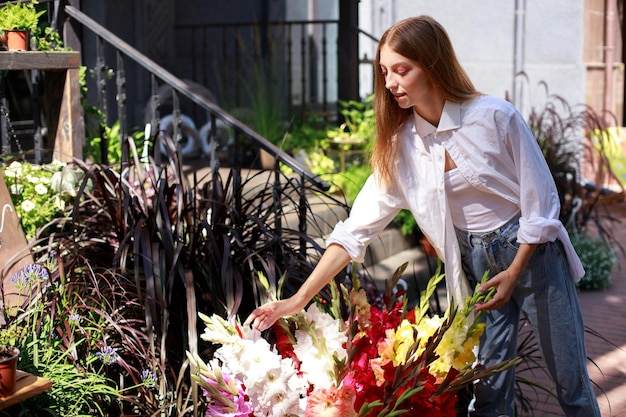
[494,150]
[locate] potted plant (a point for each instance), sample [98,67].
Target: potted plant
[9,354]
[8,369]
[17,20]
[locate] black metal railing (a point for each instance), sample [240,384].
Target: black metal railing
[180,89]
[125,51]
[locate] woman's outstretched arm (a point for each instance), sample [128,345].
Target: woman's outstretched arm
[334,259]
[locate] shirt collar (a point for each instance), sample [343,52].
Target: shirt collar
[450,119]
[423,126]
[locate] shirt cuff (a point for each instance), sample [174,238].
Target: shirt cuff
[541,230]
[538,230]
[342,236]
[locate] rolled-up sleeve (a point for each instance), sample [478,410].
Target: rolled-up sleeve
[538,196]
[372,211]
[539,199]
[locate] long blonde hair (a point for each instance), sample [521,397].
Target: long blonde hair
[424,40]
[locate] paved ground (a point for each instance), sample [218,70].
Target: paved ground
[605,313]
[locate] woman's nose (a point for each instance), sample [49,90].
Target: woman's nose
[389,82]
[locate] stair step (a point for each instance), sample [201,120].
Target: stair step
[387,244]
[413,280]
[384,255]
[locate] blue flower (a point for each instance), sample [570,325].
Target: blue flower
[36,273]
[30,274]
[108,355]
[75,318]
[20,280]
[148,378]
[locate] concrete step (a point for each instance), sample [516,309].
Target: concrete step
[413,280]
[385,254]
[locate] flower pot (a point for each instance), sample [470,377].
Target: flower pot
[268,161]
[17,40]
[428,248]
[8,370]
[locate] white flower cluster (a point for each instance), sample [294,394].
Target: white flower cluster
[270,380]
[319,340]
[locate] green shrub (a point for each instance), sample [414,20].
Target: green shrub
[39,192]
[598,258]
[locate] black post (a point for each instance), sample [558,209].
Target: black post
[348,56]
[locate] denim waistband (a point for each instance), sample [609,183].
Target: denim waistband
[484,238]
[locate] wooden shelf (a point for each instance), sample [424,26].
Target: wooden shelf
[61,69]
[27,386]
[40,60]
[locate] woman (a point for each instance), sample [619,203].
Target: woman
[469,169]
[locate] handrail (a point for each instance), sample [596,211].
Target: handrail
[184,89]
[268,23]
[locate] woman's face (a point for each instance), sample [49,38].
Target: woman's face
[405,79]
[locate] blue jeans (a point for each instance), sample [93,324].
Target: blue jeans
[546,295]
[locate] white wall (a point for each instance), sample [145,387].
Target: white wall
[483,34]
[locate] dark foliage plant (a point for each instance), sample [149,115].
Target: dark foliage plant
[146,240]
[573,140]
[558,129]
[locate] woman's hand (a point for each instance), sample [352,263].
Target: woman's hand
[506,280]
[263,317]
[504,283]
[334,259]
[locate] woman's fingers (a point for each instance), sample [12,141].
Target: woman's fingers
[254,318]
[262,317]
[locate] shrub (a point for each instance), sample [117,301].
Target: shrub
[39,192]
[598,258]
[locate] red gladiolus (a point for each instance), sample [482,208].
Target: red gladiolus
[284,344]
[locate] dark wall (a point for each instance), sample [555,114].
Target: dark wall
[151,27]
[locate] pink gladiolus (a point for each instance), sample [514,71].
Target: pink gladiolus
[331,402]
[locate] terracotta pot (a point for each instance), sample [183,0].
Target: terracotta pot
[8,370]
[268,161]
[17,40]
[428,248]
